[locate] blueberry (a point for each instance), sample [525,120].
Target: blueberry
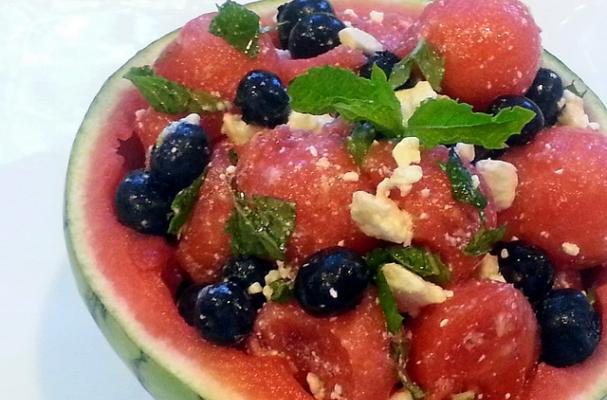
[531,129]
[546,91]
[262,99]
[186,302]
[332,281]
[383,59]
[224,314]
[245,271]
[144,204]
[290,13]
[570,327]
[526,267]
[181,155]
[314,35]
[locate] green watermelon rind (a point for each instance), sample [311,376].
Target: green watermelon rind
[161,376]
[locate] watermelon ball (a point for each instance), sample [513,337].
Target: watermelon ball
[331,282]
[263,99]
[383,59]
[530,130]
[143,203]
[547,91]
[314,35]
[570,327]
[491,48]
[224,314]
[180,155]
[186,302]
[291,13]
[526,267]
[245,271]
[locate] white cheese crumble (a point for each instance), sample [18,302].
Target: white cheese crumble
[238,131]
[502,179]
[489,269]
[410,99]
[402,394]
[465,151]
[573,113]
[316,385]
[571,249]
[255,288]
[350,12]
[405,153]
[381,218]
[350,176]
[309,122]
[411,291]
[337,392]
[272,276]
[358,39]
[376,16]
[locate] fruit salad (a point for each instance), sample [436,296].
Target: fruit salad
[357,200]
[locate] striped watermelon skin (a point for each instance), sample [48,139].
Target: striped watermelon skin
[157,345]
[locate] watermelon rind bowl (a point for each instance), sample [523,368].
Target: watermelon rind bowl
[159,374]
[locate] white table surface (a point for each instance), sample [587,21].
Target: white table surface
[54,56]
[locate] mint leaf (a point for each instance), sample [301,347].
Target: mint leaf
[260,226]
[337,90]
[183,204]
[445,121]
[394,320]
[429,62]
[233,156]
[462,186]
[238,26]
[171,97]
[484,240]
[360,140]
[282,291]
[418,260]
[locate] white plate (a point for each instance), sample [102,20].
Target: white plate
[54,55]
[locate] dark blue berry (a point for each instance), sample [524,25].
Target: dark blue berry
[245,271]
[314,35]
[290,13]
[546,91]
[383,59]
[262,99]
[570,327]
[531,129]
[144,204]
[186,302]
[181,155]
[332,281]
[526,267]
[224,314]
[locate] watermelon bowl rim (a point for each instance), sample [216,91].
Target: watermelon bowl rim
[162,378]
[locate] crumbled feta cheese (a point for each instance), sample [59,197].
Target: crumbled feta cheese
[489,269]
[406,152]
[402,394]
[402,178]
[350,176]
[337,393]
[573,113]
[595,126]
[502,179]
[285,271]
[350,13]
[316,385]
[358,39]
[308,122]
[255,288]
[323,162]
[571,249]
[381,218]
[230,169]
[465,151]
[476,182]
[267,292]
[410,99]
[411,291]
[192,119]
[272,276]
[376,16]
[238,131]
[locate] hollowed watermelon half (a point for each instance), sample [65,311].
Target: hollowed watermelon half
[119,272]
